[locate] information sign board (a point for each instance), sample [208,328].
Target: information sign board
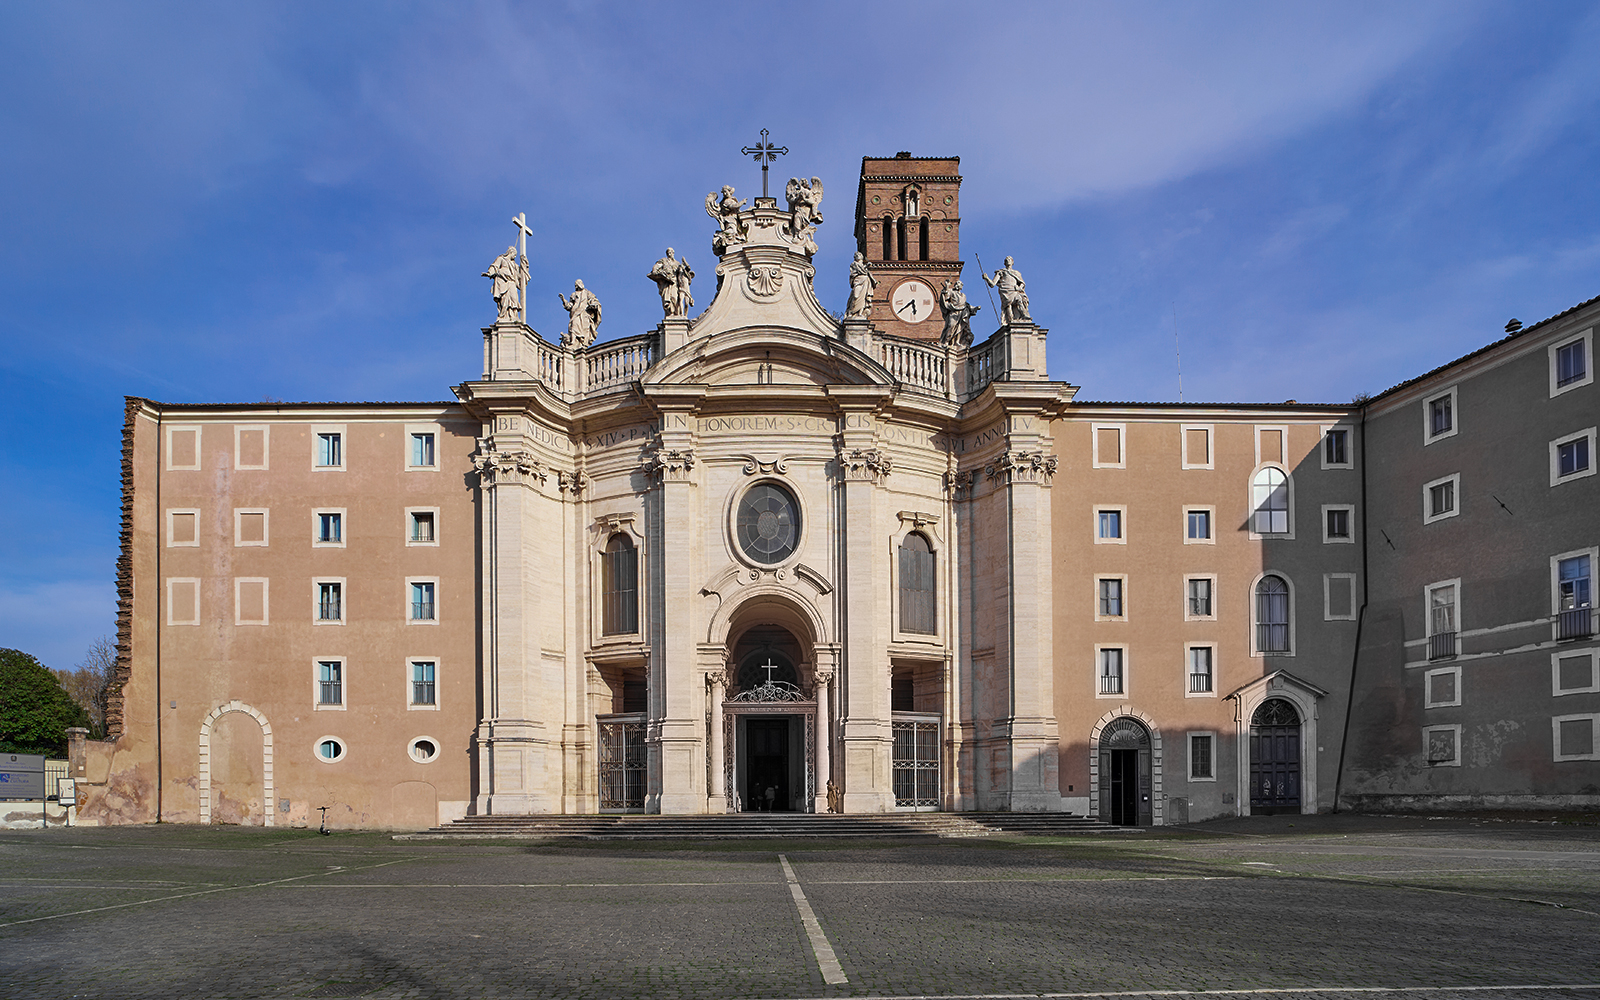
[21,776]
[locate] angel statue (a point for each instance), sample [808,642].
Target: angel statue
[805,217]
[585,316]
[509,276]
[957,315]
[1013,294]
[672,277]
[862,284]
[725,211]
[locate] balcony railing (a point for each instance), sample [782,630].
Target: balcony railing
[1442,646]
[1576,623]
[1110,683]
[1199,683]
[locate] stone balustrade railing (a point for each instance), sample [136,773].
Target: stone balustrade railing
[986,362]
[617,362]
[917,363]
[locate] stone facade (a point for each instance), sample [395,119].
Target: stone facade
[763,558]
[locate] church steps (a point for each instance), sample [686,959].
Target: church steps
[753,826]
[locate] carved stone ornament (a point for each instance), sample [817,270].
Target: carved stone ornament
[725,210]
[583,322]
[672,465]
[917,518]
[778,466]
[1021,467]
[804,215]
[765,281]
[867,465]
[961,484]
[572,482]
[515,468]
[610,524]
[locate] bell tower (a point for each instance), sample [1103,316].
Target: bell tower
[908,227]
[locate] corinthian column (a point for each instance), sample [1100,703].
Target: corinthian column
[716,795]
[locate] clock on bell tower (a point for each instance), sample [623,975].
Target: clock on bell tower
[908,227]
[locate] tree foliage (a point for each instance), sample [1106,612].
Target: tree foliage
[90,684]
[35,712]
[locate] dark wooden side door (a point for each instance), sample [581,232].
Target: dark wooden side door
[1275,765]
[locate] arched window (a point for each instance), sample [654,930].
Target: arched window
[1272,615]
[619,587]
[1269,496]
[917,587]
[922,240]
[888,237]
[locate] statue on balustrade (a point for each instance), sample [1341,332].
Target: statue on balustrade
[510,276]
[584,313]
[804,215]
[957,315]
[725,211]
[1013,294]
[672,277]
[862,284]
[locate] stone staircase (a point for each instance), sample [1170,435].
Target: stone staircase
[762,826]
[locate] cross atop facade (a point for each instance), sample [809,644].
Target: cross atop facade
[764,152]
[770,666]
[521,219]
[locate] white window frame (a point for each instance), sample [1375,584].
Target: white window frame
[1587,336]
[1594,736]
[1556,478]
[316,431]
[316,602]
[411,749]
[1121,511]
[438,437]
[437,613]
[1592,655]
[1189,750]
[1348,508]
[1255,649]
[238,525]
[1215,670]
[170,605]
[1210,458]
[344,749]
[1250,502]
[266,447]
[1454,479]
[1349,446]
[1127,685]
[411,512]
[316,527]
[199,436]
[1593,552]
[266,596]
[1427,731]
[1429,701]
[1427,604]
[316,684]
[1428,437]
[1123,577]
[1122,445]
[1282,461]
[412,706]
[1215,596]
[1211,522]
[171,513]
[1327,597]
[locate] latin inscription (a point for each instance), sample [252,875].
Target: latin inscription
[767,425]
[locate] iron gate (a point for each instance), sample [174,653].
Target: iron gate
[622,765]
[916,763]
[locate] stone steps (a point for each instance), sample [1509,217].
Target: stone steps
[758,826]
[1044,824]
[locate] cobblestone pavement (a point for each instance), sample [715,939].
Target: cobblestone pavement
[1337,907]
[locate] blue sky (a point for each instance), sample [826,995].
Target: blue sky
[238,202]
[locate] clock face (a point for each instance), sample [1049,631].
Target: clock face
[912,301]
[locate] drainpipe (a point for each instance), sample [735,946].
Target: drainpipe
[1361,616]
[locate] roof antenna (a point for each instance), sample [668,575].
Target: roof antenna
[1175,351]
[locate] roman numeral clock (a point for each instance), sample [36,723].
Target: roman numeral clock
[908,228]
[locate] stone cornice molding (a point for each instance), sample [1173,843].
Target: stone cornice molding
[1021,467]
[499,468]
[917,518]
[870,465]
[610,524]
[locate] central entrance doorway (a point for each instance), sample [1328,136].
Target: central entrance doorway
[767,765]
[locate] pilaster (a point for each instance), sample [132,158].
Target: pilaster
[675,736]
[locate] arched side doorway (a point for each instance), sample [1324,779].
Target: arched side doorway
[269,804]
[1125,771]
[1275,758]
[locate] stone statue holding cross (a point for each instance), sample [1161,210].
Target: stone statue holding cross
[510,276]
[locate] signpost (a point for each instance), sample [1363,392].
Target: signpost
[22,777]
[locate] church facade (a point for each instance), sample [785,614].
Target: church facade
[768,558]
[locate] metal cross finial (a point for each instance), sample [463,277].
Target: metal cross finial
[770,666]
[521,219]
[764,152]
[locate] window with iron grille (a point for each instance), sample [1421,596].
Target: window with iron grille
[1574,597]
[1111,672]
[1200,756]
[422,605]
[1272,615]
[330,527]
[622,764]
[1200,670]
[422,526]
[1442,626]
[422,689]
[330,682]
[917,585]
[329,605]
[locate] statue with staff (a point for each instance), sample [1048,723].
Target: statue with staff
[672,276]
[1013,294]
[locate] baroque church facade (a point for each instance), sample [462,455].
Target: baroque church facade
[768,558]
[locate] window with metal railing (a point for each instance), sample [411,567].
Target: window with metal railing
[329,604]
[1441,645]
[1111,672]
[422,609]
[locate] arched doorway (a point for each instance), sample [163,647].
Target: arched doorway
[233,756]
[771,723]
[1125,794]
[1275,758]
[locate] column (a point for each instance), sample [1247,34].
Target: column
[716,795]
[824,740]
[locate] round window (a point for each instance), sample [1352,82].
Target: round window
[423,749]
[768,524]
[330,749]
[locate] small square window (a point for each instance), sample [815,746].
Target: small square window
[1110,598]
[1201,756]
[1198,525]
[1201,680]
[423,608]
[1336,448]
[183,528]
[1113,679]
[330,601]
[1572,457]
[423,692]
[330,683]
[1442,688]
[1108,524]
[422,526]
[1336,524]
[1199,597]
[1441,498]
[1574,736]
[1576,672]
[422,455]
[249,527]
[330,527]
[1442,746]
[330,450]
[1572,363]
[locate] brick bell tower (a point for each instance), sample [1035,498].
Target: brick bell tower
[908,227]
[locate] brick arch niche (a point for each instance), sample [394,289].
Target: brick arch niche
[269,803]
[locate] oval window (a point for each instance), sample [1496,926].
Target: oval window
[768,524]
[423,749]
[330,749]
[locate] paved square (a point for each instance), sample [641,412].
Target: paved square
[1301,908]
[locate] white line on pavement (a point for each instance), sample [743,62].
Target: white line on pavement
[832,973]
[1269,991]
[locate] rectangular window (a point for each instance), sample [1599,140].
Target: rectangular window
[422,604]
[1200,597]
[1574,736]
[249,601]
[1442,626]
[1572,581]
[1108,449]
[422,526]
[330,603]
[1572,362]
[330,527]
[1573,594]
[1442,688]
[1575,672]
[330,683]
[1112,680]
[249,527]
[183,528]
[1200,757]
[1197,447]
[1111,598]
[183,601]
[250,447]
[1200,664]
[1198,525]
[1108,525]
[1336,524]
[183,448]
[330,450]
[422,689]
[1441,499]
[1441,746]
[1336,448]
[1440,417]
[1572,456]
[422,456]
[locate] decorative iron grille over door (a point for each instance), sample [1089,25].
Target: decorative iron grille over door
[1275,758]
[916,763]
[622,765]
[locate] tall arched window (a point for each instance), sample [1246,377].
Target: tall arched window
[917,586]
[1272,615]
[619,587]
[888,237]
[1269,497]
